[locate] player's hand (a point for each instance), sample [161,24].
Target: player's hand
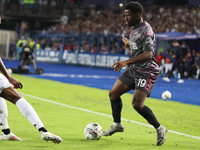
[17,84]
[119,65]
[125,40]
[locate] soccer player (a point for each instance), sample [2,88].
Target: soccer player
[8,86]
[8,91]
[141,74]
[177,63]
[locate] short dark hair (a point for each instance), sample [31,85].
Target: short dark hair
[134,7]
[174,41]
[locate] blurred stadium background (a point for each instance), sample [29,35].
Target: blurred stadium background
[76,42]
[88,32]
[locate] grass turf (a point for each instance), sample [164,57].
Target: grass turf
[69,123]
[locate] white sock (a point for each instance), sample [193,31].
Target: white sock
[3,114]
[28,111]
[159,127]
[116,123]
[3,122]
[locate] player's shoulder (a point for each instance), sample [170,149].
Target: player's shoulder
[147,27]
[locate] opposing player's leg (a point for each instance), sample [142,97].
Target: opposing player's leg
[117,90]
[138,104]
[6,134]
[28,111]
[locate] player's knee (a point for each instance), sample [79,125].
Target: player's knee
[137,106]
[14,99]
[113,96]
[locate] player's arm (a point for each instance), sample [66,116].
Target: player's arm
[146,55]
[13,81]
[125,40]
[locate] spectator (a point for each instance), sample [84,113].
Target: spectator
[12,49]
[189,62]
[18,29]
[19,51]
[86,48]
[48,48]
[104,49]
[32,43]
[185,49]
[76,48]
[159,58]
[41,44]
[59,45]
[177,63]
[68,46]
[166,63]
[22,40]
[196,66]
[193,53]
[94,49]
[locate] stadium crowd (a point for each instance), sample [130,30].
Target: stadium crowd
[99,21]
[183,19]
[191,62]
[104,22]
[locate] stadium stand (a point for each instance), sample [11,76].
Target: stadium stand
[64,28]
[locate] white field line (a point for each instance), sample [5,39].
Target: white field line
[93,112]
[79,76]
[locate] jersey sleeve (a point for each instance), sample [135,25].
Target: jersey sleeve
[148,39]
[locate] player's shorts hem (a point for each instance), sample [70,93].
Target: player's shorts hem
[4,83]
[143,90]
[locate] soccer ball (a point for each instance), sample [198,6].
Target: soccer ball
[166,95]
[93,131]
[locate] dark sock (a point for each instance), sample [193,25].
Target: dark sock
[116,109]
[147,113]
[42,129]
[6,131]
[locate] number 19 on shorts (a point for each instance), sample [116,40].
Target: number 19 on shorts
[141,82]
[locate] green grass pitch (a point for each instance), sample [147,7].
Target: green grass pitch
[65,111]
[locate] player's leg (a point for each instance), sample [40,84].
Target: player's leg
[138,104]
[6,134]
[197,73]
[32,61]
[22,63]
[34,64]
[28,111]
[117,90]
[167,79]
[180,70]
